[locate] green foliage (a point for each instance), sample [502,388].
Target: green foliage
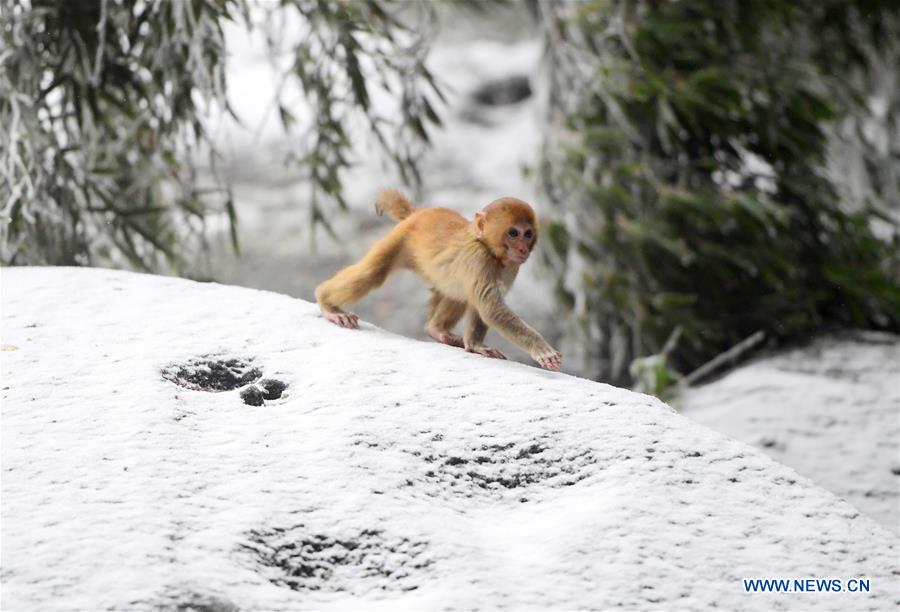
[691,169]
[652,375]
[354,51]
[104,105]
[100,104]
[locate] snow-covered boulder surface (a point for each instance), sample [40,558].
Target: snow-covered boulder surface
[390,474]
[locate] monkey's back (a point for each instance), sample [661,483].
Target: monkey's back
[442,247]
[435,221]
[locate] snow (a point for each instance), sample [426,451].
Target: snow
[392,474]
[830,410]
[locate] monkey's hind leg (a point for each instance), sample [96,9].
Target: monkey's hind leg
[443,314]
[353,282]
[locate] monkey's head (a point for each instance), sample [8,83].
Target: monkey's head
[508,227]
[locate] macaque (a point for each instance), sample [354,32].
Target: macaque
[470,265]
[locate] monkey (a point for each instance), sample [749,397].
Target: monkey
[470,265]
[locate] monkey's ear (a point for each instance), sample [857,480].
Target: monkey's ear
[479,224]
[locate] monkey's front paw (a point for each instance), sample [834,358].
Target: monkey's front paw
[549,360]
[343,319]
[486,351]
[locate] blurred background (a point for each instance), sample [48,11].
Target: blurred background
[716,181]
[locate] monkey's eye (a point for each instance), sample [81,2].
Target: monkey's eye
[513,232]
[529,234]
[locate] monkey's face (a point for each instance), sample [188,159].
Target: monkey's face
[519,240]
[509,229]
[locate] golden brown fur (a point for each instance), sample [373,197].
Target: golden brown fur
[394,203]
[469,264]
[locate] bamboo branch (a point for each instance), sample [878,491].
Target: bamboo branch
[728,356]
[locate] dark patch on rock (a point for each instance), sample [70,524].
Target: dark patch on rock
[497,447]
[502,92]
[498,466]
[206,604]
[189,601]
[213,374]
[252,396]
[768,442]
[534,449]
[309,561]
[271,388]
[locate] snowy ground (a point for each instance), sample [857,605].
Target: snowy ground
[391,474]
[830,410]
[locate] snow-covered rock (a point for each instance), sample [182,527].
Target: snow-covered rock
[389,474]
[830,410]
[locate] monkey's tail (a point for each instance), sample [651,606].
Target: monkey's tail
[394,203]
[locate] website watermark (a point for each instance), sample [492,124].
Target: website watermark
[806,585]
